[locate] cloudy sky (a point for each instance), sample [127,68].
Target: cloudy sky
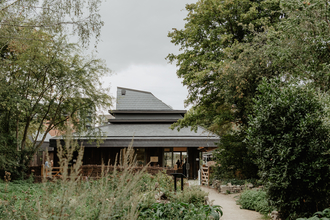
[134,44]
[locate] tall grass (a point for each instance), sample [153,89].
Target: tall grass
[116,195]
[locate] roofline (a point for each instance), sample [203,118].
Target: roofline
[118,87]
[174,142]
[147,112]
[142,120]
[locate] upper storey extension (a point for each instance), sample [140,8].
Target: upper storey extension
[136,106]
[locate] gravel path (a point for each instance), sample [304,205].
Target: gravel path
[231,211]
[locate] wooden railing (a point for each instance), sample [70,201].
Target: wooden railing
[51,171]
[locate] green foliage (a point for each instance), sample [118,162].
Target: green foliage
[215,35]
[255,200]
[234,158]
[191,195]
[322,215]
[299,45]
[222,69]
[180,210]
[43,78]
[55,17]
[291,141]
[43,84]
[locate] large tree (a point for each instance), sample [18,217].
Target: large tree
[44,83]
[221,68]
[216,35]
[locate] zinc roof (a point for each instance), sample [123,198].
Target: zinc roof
[131,99]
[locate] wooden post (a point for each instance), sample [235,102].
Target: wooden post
[42,170]
[208,176]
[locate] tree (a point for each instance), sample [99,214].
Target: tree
[44,83]
[291,141]
[235,158]
[214,37]
[220,65]
[55,17]
[299,45]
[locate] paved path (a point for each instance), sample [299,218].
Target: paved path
[231,211]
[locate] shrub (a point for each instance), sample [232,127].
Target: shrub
[192,195]
[288,133]
[180,210]
[255,200]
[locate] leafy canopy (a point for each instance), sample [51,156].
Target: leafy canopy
[214,37]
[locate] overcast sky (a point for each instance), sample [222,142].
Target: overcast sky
[134,44]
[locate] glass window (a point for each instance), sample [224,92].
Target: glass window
[140,152]
[168,159]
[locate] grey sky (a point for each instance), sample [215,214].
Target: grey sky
[134,44]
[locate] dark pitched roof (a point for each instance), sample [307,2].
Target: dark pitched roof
[151,135]
[131,99]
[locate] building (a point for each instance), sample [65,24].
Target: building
[143,118]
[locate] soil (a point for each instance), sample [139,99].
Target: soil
[231,211]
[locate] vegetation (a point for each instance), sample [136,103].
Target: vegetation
[229,49]
[325,215]
[33,200]
[291,141]
[235,158]
[44,80]
[180,211]
[255,200]
[214,37]
[221,67]
[123,193]
[55,17]
[44,83]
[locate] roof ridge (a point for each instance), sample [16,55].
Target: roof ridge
[135,90]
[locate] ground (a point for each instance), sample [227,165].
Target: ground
[231,211]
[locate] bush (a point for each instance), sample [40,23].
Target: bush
[180,210]
[289,136]
[193,195]
[255,200]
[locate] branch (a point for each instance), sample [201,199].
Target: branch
[19,38]
[10,5]
[36,26]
